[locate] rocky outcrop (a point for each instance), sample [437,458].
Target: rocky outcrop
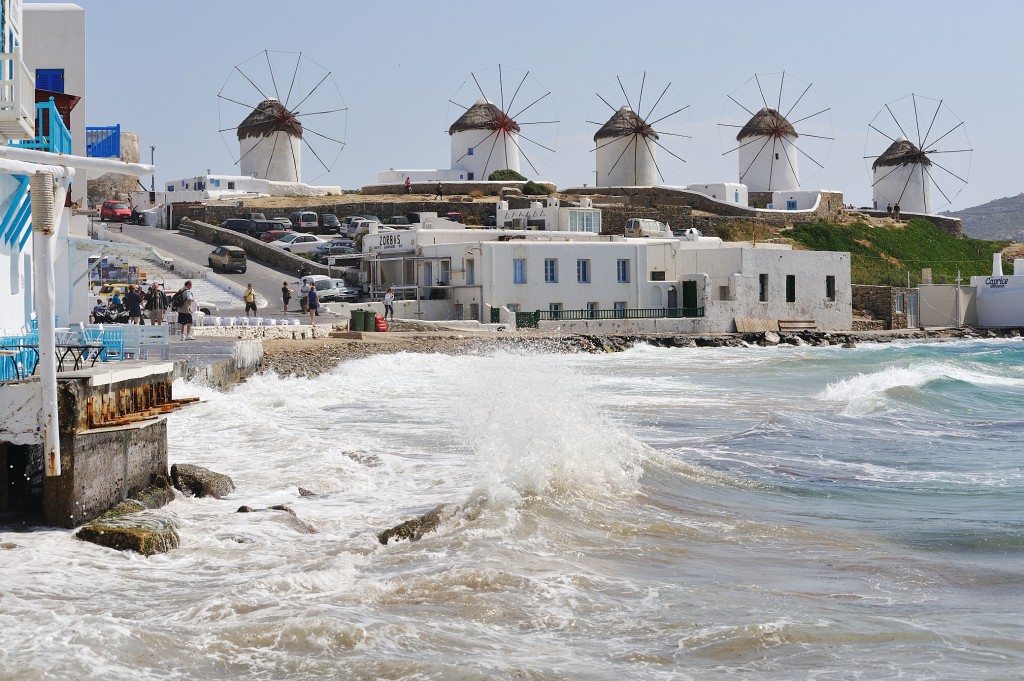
[132,526]
[197,481]
[414,529]
[293,519]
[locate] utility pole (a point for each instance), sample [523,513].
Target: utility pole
[152,181]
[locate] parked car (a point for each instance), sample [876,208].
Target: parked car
[490,221]
[371,217]
[284,222]
[252,216]
[342,241]
[206,307]
[275,234]
[305,221]
[115,211]
[298,243]
[330,224]
[341,292]
[397,221]
[456,217]
[243,225]
[227,258]
[334,255]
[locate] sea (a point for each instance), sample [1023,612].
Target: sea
[660,513]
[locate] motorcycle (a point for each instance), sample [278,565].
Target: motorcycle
[109,316]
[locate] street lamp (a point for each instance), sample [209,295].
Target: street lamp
[152,181]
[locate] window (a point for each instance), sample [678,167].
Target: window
[723,293]
[583,271]
[622,271]
[620,309]
[50,79]
[469,152]
[551,270]
[585,220]
[830,288]
[592,309]
[231,185]
[556,310]
[519,271]
[776,157]
[170,187]
[657,276]
[790,288]
[898,306]
[763,296]
[470,272]
[790,204]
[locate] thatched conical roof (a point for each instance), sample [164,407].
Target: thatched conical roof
[767,123]
[269,117]
[624,122]
[483,115]
[900,153]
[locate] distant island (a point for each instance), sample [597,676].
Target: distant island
[998,220]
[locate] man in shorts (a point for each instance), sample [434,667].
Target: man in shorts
[249,296]
[185,312]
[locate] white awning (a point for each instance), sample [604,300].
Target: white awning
[104,248]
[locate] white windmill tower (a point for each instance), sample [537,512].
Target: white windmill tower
[311,114]
[487,137]
[270,143]
[627,145]
[905,172]
[479,132]
[777,133]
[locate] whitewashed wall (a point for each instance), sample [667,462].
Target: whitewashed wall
[626,162]
[484,161]
[907,185]
[763,169]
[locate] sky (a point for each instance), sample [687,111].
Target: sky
[157,67]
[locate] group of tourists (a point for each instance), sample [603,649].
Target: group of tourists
[893,211]
[309,300]
[138,303]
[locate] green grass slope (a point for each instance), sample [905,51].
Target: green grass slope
[884,255]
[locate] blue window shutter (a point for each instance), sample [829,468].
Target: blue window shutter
[50,79]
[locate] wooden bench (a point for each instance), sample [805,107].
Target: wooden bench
[798,325]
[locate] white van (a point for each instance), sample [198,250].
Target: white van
[305,221]
[640,227]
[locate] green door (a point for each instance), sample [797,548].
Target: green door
[689,295]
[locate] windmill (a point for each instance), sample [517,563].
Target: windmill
[503,112]
[626,145]
[915,142]
[271,130]
[779,121]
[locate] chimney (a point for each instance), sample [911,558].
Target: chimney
[997,264]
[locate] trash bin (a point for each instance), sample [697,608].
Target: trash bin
[356,322]
[369,316]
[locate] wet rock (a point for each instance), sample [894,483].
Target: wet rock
[145,535]
[303,492]
[197,481]
[282,507]
[8,545]
[850,344]
[414,529]
[770,338]
[245,509]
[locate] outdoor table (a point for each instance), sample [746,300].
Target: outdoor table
[10,353]
[79,353]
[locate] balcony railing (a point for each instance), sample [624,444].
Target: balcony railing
[103,141]
[48,118]
[532,319]
[17,98]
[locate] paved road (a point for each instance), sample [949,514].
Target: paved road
[265,279]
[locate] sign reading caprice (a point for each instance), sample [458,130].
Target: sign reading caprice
[996,282]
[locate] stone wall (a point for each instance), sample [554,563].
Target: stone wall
[880,302]
[950,225]
[254,248]
[450,188]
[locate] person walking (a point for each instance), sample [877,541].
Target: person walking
[896,212]
[156,303]
[389,303]
[185,301]
[249,296]
[888,209]
[286,295]
[304,296]
[133,303]
[313,303]
[440,191]
[408,185]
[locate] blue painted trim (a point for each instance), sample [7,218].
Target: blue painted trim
[7,227]
[24,216]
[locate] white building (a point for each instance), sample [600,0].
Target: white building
[54,52]
[270,143]
[901,176]
[767,153]
[726,192]
[1000,297]
[550,215]
[801,199]
[215,187]
[583,281]
[626,151]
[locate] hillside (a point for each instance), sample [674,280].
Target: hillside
[1001,219]
[884,255]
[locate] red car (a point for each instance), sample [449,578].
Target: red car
[115,211]
[275,234]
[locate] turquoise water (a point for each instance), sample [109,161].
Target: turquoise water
[776,513]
